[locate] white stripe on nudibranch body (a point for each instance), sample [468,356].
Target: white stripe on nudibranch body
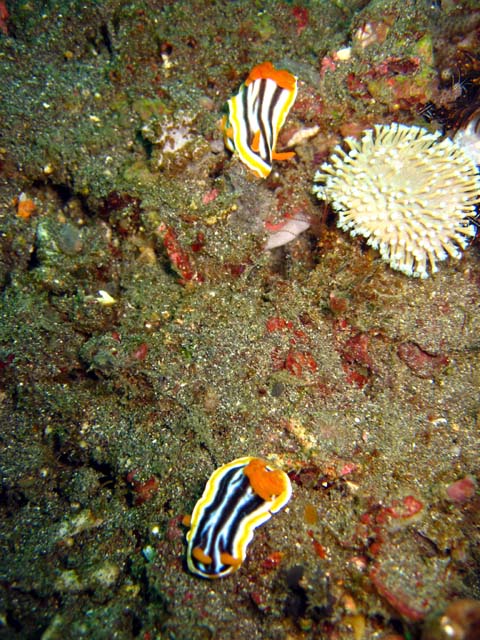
[238,497]
[256,115]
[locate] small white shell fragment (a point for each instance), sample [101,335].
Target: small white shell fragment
[302,134]
[105,298]
[291,229]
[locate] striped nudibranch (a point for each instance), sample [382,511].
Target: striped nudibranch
[238,497]
[256,115]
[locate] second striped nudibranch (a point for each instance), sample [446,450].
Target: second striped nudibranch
[256,115]
[238,498]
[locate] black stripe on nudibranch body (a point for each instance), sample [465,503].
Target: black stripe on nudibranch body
[238,497]
[256,115]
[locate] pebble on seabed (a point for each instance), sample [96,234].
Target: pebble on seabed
[459,621]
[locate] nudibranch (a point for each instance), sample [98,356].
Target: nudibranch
[256,115]
[238,498]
